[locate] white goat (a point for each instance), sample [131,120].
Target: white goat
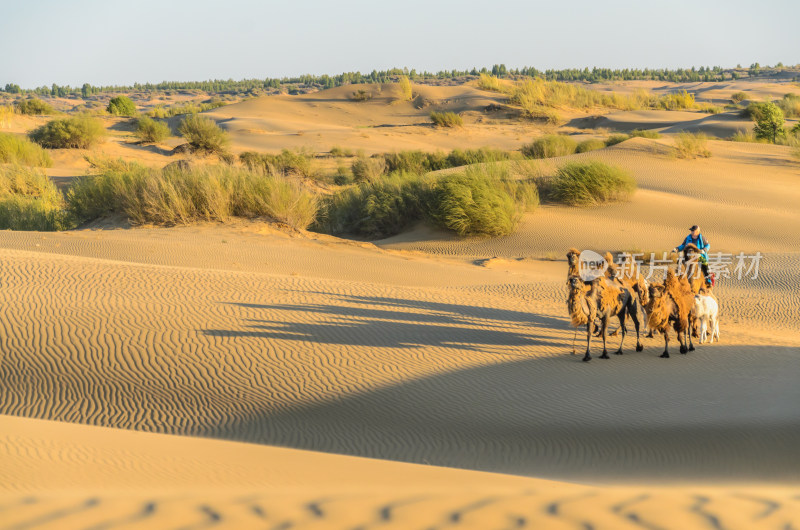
[706,310]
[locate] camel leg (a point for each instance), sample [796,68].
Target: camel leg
[587,357]
[603,328]
[689,336]
[573,341]
[682,338]
[634,313]
[624,331]
[665,355]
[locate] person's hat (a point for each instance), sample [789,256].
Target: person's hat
[693,228]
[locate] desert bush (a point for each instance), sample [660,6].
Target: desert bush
[769,123]
[368,169]
[416,162]
[286,163]
[738,97]
[615,139]
[790,105]
[121,106]
[361,95]
[590,183]
[692,145]
[743,136]
[446,119]
[477,202]
[149,130]
[490,82]
[406,92]
[77,132]
[338,152]
[550,146]
[33,107]
[677,101]
[482,155]
[18,150]
[342,177]
[376,209]
[159,111]
[754,111]
[7,113]
[590,145]
[203,134]
[29,200]
[711,109]
[173,196]
[644,133]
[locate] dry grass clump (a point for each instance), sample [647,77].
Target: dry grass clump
[29,200]
[203,134]
[692,145]
[446,119]
[287,163]
[550,146]
[19,150]
[172,196]
[644,133]
[366,169]
[590,183]
[738,97]
[615,139]
[590,145]
[490,82]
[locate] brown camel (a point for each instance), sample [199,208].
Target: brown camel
[637,285]
[602,299]
[572,261]
[670,305]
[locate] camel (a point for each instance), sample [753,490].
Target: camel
[636,284]
[670,305]
[696,279]
[572,261]
[706,310]
[602,299]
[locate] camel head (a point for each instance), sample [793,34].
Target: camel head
[572,257]
[576,284]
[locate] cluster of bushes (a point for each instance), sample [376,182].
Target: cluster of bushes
[406,92]
[18,150]
[446,119]
[121,106]
[30,201]
[77,132]
[160,111]
[689,145]
[204,135]
[478,201]
[33,107]
[286,163]
[173,196]
[149,130]
[676,101]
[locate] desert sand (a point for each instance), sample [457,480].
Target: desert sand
[246,375]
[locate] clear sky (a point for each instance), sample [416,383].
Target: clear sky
[121,42]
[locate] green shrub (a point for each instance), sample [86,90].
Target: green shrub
[769,123]
[338,152]
[591,183]
[203,134]
[755,110]
[677,101]
[33,107]
[286,163]
[77,132]
[376,209]
[590,145]
[615,139]
[712,109]
[738,97]
[361,95]
[690,145]
[149,130]
[368,169]
[18,150]
[644,133]
[29,200]
[121,106]
[550,146]
[446,119]
[482,155]
[172,196]
[342,176]
[475,202]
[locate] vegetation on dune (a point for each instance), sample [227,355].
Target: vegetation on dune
[590,183]
[489,82]
[422,162]
[406,92]
[446,119]
[590,145]
[203,134]
[19,150]
[361,95]
[790,105]
[615,139]
[769,123]
[368,169]
[172,196]
[644,133]
[738,97]
[160,111]
[149,130]
[340,152]
[121,106]
[33,107]
[550,146]
[286,163]
[29,200]
[76,132]
[692,145]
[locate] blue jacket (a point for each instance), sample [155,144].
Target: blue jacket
[700,243]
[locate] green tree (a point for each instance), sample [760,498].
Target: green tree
[769,125]
[121,106]
[86,90]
